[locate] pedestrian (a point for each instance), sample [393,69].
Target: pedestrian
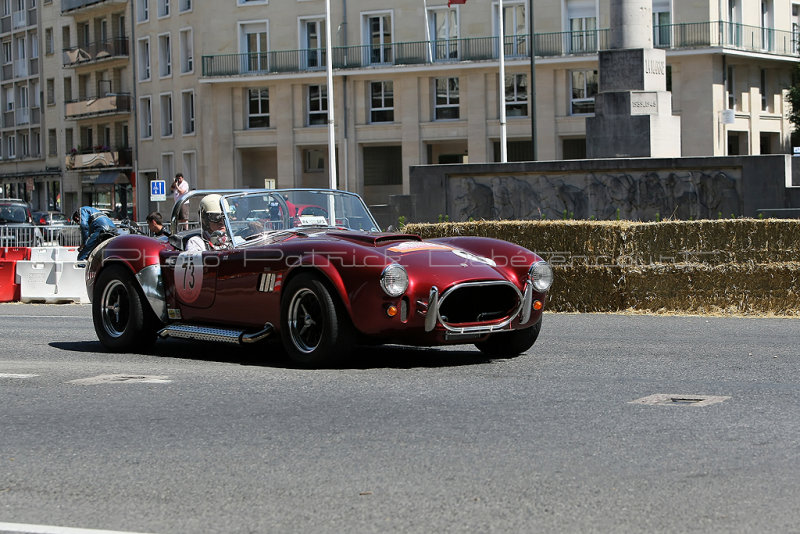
[179,189]
[93,223]
[156,225]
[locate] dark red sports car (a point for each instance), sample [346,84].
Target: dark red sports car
[322,279]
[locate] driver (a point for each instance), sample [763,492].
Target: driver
[212,220]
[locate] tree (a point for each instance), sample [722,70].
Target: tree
[794,99]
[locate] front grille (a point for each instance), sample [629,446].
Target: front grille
[479,302]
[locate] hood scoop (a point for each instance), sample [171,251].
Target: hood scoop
[375,240]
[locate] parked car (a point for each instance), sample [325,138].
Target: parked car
[57,228]
[16,225]
[319,283]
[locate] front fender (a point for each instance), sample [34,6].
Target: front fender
[322,265]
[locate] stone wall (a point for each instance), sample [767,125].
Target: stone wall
[642,189]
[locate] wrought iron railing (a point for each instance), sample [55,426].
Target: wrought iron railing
[554,44]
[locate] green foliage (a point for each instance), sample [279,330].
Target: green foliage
[401,222]
[793,98]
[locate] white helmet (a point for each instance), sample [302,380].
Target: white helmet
[210,210]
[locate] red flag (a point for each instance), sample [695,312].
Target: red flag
[451,2]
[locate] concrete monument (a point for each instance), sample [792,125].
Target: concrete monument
[633,109]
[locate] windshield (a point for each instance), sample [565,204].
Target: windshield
[13,214]
[250,215]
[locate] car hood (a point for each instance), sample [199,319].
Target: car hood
[445,262]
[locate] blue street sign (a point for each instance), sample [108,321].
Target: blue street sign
[158,190]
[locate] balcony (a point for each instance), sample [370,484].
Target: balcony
[88,5]
[105,105]
[99,157]
[111,48]
[716,34]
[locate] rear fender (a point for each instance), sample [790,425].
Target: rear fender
[142,260]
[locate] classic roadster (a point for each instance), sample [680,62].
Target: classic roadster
[322,278]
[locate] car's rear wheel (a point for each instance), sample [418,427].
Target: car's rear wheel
[510,344]
[122,320]
[314,329]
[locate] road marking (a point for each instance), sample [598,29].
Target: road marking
[120,378]
[49,529]
[44,316]
[15,375]
[666,399]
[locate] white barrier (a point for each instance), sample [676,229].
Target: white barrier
[54,254]
[52,281]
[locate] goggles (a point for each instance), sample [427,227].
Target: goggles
[215,217]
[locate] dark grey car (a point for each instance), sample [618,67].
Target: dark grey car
[16,225]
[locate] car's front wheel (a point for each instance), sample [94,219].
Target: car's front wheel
[510,344]
[122,321]
[314,328]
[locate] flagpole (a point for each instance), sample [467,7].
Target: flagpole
[331,106]
[427,31]
[502,91]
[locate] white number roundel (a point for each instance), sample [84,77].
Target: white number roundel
[189,276]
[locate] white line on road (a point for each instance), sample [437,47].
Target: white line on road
[49,529]
[15,375]
[43,316]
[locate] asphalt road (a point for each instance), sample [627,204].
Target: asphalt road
[213,438]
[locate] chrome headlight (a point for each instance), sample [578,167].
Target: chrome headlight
[394,280]
[541,276]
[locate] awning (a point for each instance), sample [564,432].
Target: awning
[107,178]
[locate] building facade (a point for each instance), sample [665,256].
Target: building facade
[234,94]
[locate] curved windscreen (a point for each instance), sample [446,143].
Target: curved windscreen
[252,214]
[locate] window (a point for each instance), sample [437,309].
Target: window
[11,147]
[163,8]
[51,91]
[7,54]
[69,143]
[142,10]
[763,91]
[584,89]
[254,43]
[144,59]
[317,105]
[184,6]
[383,165]
[381,102]
[446,104]
[9,99]
[186,50]
[444,32]
[187,111]
[661,23]
[730,88]
[166,115]
[582,25]
[145,118]
[767,30]
[164,56]
[515,29]
[251,2]
[313,160]
[258,108]
[378,30]
[516,95]
[167,165]
[312,41]
[52,142]
[24,145]
[48,41]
